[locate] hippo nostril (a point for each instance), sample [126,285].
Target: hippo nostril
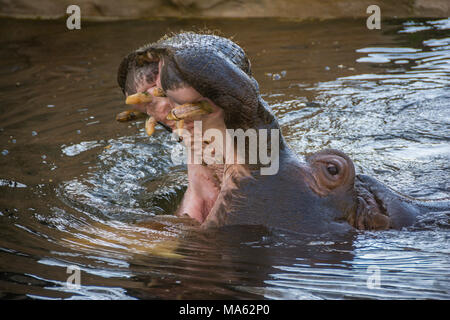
[333,170]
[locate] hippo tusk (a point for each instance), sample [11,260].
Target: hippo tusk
[150,125]
[140,97]
[186,111]
[158,92]
[180,125]
[189,110]
[144,97]
[129,115]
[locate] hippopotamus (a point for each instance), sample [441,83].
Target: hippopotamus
[200,77]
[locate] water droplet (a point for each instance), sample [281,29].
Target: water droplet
[50,105]
[327,68]
[276,76]
[283,73]
[34,133]
[5,152]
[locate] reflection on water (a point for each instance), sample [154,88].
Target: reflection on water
[79,189]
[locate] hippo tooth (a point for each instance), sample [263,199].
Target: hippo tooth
[172,116]
[180,125]
[129,115]
[140,97]
[150,125]
[158,92]
[189,110]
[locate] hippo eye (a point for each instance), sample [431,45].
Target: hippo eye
[332,169]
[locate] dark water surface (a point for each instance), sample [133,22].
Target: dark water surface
[79,189]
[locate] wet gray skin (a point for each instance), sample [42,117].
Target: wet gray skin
[321,195]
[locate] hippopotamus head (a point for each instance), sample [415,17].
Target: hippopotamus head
[321,195]
[208,78]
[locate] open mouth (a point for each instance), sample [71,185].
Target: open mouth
[196,83]
[204,181]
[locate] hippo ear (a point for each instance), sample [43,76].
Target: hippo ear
[214,76]
[332,170]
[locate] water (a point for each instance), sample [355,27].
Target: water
[79,190]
